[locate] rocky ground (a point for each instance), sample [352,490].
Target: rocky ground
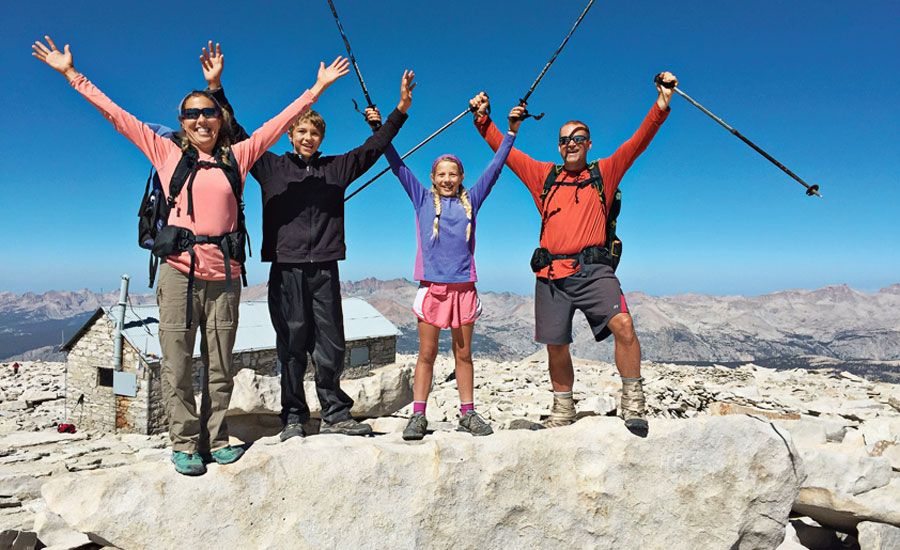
[846,430]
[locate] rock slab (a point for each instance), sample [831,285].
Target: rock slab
[725,482]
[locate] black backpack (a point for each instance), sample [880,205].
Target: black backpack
[153,213]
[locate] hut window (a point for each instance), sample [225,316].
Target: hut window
[359,356]
[104,377]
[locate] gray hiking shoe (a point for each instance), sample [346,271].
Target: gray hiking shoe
[293,427]
[346,427]
[633,409]
[473,423]
[415,428]
[562,413]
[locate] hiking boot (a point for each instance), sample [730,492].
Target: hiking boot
[293,427]
[415,428]
[473,423]
[562,413]
[345,427]
[227,455]
[189,464]
[633,406]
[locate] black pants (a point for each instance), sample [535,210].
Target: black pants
[305,306]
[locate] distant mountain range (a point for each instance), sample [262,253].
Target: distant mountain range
[834,321]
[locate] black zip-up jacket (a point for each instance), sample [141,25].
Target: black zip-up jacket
[303,201]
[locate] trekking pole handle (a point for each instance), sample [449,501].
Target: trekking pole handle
[374,124]
[524,103]
[660,82]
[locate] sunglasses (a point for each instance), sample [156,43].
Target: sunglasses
[577,139]
[193,114]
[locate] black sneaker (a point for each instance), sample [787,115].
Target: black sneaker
[415,428]
[292,428]
[473,423]
[346,427]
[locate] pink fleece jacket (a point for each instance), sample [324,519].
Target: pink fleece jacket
[215,209]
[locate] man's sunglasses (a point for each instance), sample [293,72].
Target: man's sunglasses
[564,140]
[193,114]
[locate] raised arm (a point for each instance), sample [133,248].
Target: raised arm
[618,163]
[154,147]
[410,184]
[530,171]
[482,188]
[355,163]
[212,61]
[248,151]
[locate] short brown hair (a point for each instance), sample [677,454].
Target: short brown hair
[578,123]
[313,118]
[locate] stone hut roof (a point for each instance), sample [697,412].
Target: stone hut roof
[255,332]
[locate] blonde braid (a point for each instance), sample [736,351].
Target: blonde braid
[437,211]
[467,206]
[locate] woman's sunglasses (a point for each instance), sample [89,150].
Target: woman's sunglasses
[193,114]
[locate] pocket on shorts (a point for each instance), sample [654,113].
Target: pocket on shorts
[226,309]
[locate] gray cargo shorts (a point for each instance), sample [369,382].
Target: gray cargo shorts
[595,290]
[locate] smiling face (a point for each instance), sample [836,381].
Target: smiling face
[447,177]
[306,138]
[574,154]
[202,131]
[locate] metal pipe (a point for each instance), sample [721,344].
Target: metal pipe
[120,323]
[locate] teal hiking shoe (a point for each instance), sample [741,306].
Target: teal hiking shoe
[473,423]
[415,428]
[189,464]
[227,455]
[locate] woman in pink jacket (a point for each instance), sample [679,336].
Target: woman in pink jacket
[195,284]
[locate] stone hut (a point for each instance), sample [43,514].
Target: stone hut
[130,400]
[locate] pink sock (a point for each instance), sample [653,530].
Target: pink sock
[466,407]
[419,407]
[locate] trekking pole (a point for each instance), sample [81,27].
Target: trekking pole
[524,100]
[362,83]
[433,135]
[810,189]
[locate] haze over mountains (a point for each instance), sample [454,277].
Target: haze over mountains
[836,322]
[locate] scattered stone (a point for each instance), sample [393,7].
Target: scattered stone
[722,409]
[878,536]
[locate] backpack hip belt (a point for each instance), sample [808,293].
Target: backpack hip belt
[175,240]
[589,255]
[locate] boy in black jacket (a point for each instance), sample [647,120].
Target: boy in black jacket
[303,238]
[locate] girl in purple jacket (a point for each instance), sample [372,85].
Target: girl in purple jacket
[445,268]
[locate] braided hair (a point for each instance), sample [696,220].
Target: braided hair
[461,194]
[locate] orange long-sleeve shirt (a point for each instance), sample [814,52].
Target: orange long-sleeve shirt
[582,223]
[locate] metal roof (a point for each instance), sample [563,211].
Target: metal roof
[255,332]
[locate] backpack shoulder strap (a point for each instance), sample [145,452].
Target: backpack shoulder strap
[550,181]
[597,180]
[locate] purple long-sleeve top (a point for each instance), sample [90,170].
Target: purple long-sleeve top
[447,258]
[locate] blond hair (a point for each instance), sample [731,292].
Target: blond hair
[312,117]
[463,197]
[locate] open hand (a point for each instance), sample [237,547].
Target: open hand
[60,61]
[480,104]
[516,116]
[212,62]
[328,75]
[406,87]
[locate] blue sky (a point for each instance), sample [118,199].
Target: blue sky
[813,83]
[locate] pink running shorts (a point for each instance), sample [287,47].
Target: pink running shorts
[447,305]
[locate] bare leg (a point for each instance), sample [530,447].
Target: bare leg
[628,349]
[428,348]
[562,375]
[462,352]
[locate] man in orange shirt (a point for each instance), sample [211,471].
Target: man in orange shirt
[575,264]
